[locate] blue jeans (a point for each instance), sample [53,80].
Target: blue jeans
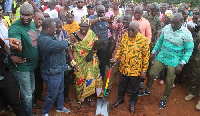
[26,82]
[55,89]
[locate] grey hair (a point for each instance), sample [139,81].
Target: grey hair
[100,7]
[140,7]
[180,16]
[26,7]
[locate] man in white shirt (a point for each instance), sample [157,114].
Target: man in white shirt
[3,28]
[80,10]
[51,10]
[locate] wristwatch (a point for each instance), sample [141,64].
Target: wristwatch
[11,55]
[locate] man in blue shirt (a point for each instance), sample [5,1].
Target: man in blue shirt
[99,24]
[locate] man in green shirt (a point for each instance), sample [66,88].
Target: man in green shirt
[23,41]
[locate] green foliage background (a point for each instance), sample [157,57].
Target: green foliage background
[194,2]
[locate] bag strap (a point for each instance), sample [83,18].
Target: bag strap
[77,37]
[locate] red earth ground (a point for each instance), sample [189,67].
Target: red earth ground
[145,106]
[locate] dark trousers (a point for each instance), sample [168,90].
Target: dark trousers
[67,82]
[38,85]
[135,86]
[102,59]
[10,93]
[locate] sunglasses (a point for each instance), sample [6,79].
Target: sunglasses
[79,2]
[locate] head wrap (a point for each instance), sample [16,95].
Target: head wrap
[69,13]
[84,20]
[168,13]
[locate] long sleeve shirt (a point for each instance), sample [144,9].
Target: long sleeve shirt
[175,47]
[145,28]
[134,54]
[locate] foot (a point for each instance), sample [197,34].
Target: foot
[36,106]
[132,108]
[80,105]
[142,93]
[107,93]
[162,104]
[67,100]
[90,102]
[116,104]
[65,110]
[198,106]
[141,85]
[161,83]
[189,97]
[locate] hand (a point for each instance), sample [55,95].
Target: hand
[178,69]
[14,43]
[111,19]
[152,56]
[104,18]
[143,74]
[76,68]
[113,60]
[33,4]
[17,60]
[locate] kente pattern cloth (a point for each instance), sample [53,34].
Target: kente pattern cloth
[70,28]
[134,54]
[120,32]
[89,77]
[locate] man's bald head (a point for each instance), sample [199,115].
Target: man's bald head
[133,29]
[26,8]
[134,24]
[176,21]
[179,16]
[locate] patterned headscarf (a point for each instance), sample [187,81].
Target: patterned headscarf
[84,20]
[69,13]
[168,13]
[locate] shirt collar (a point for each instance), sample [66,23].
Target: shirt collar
[139,19]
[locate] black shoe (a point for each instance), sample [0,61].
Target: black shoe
[132,108]
[42,99]
[116,104]
[143,93]
[107,93]
[36,106]
[67,100]
[162,104]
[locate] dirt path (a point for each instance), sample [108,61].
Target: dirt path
[145,106]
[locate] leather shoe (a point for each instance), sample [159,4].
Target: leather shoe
[116,104]
[36,106]
[132,109]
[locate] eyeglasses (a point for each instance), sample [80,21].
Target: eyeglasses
[79,2]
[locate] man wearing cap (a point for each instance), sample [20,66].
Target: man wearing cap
[90,10]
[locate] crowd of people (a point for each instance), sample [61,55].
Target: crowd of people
[50,41]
